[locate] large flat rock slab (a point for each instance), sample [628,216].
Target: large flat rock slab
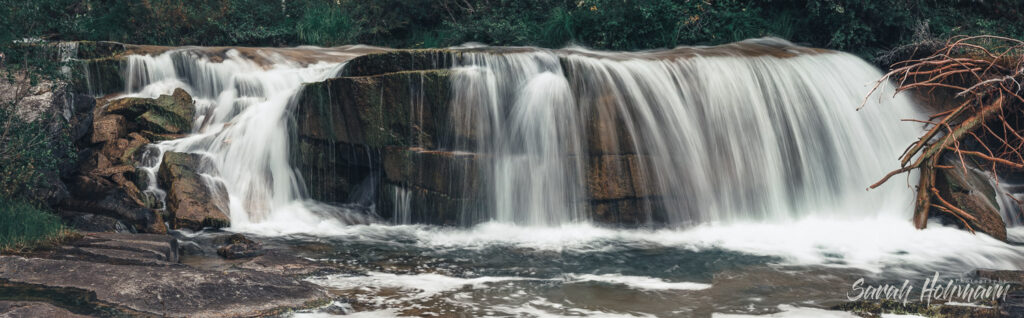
[119,248]
[175,291]
[13,309]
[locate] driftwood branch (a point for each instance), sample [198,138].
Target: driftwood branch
[985,74]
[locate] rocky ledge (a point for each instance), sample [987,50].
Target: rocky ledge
[115,274]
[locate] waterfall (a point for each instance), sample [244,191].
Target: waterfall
[758,130]
[240,122]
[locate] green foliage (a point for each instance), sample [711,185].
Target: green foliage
[326,25]
[558,28]
[29,151]
[23,226]
[866,27]
[28,154]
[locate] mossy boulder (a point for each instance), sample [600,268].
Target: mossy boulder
[194,202]
[167,114]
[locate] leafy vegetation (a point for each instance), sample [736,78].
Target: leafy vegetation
[29,156]
[865,27]
[30,153]
[23,226]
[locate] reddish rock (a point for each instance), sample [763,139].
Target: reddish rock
[107,128]
[191,201]
[608,177]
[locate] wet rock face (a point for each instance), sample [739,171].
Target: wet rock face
[403,139]
[193,201]
[972,193]
[98,77]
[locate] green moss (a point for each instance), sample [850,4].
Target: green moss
[98,76]
[99,50]
[400,61]
[162,122]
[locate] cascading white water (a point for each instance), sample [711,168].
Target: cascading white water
[534,172]
[240,124]
[724,137]
[523,108]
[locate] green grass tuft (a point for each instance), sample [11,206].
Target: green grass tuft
[25,227]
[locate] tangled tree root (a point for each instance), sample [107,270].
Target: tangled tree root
[986,73]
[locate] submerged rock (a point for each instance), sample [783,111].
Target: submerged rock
[239,246]
[194,202]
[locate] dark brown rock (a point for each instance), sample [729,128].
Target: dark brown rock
[191,201]
[625,212]
[973,194]
[89,186]
[399,61]
[429,207]
[118,204]
[88,222]
[608,177]
[414,112]
[454,174]
[607,133]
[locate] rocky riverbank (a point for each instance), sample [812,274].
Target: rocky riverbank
[115,274]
